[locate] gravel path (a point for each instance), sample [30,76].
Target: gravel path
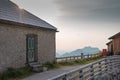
[52,73]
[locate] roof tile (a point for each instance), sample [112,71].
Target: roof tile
[11,12]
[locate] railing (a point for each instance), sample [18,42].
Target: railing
[73,58]
[105,69]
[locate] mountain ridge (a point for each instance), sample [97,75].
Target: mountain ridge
[77,52]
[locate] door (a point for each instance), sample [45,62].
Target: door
[31,48]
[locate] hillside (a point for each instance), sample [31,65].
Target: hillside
[77,52]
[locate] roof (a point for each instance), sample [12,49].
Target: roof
[109,43]
[116,35]
[10,12]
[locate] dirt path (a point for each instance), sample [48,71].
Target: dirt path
[52,73]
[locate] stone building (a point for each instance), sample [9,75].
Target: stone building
[24,38]
[110,47]
[114,44]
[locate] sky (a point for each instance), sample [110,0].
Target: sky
[80,22]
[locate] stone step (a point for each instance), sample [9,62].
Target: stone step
[34,63]
[37,67]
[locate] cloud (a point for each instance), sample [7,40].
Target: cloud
[90,10]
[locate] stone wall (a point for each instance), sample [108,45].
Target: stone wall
[116,45]
[13,45]
[110,47]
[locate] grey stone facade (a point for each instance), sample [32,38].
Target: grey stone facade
[13,45]
[114,46]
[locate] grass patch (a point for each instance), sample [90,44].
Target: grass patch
[50,65]
[56,65]
[15,74]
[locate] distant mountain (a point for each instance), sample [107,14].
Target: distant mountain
[58,55]
[85,50]
[60,52]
